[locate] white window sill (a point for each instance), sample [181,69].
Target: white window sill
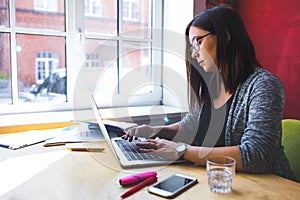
[156,114]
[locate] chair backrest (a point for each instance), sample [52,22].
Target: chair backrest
[291,143]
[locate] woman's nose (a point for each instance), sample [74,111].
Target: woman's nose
[195,53]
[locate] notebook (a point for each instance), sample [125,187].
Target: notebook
[50,137]
[76,134]
[20,140]
[127,153]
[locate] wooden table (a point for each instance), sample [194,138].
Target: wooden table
[43,173]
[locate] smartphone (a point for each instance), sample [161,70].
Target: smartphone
[172,186]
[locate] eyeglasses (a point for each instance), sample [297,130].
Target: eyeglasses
[195,46]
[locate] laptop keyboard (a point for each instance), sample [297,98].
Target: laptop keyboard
[131,151]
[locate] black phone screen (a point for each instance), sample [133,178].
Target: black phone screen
[173,183]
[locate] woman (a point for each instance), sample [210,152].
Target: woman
[235,105]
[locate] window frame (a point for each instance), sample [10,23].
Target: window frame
[74,32]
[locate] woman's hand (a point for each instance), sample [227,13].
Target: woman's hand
[161,147]
[141,131]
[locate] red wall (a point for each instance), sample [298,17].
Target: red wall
[274,27]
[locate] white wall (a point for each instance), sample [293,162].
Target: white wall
[177,14]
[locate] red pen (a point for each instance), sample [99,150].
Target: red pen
[139,186]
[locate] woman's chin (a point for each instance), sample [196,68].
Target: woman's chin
[209,68]
[206,68]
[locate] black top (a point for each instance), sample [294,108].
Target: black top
[212,134]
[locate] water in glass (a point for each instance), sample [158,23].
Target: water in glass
[220,180]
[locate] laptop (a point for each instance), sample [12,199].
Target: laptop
[127,153]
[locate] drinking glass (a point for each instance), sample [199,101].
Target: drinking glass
[220,171]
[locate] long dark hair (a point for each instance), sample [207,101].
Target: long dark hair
[235,55]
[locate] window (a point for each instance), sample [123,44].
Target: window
[45,5]
[130,10]
[46,63]
[92,60]
[93,8]
[5,71]
[97,50]
[28,35]
[128,71]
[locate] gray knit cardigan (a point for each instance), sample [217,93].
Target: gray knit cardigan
[254,124]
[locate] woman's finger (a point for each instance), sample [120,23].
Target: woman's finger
[142,150]
[148,144]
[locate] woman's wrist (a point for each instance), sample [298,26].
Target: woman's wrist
[168,131]
[195,154]
[159,131]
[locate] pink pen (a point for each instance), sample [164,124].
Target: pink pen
[127,180]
